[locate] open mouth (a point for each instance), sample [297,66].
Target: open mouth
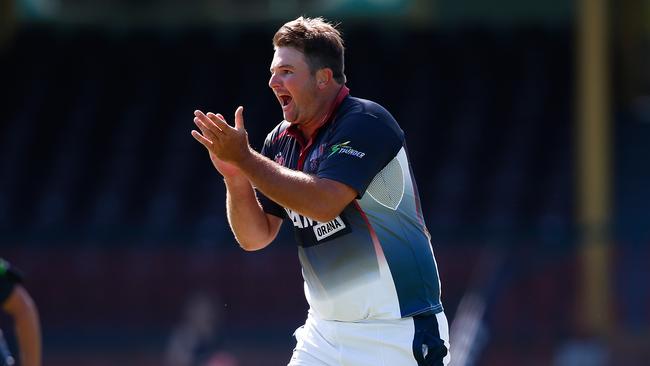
[285,100]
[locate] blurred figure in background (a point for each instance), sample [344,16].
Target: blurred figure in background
[197,340]
[17,303]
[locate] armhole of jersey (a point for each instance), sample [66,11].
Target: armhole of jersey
[387,187]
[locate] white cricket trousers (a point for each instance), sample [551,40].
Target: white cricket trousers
[422,340]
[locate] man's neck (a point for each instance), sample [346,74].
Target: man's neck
[325,110]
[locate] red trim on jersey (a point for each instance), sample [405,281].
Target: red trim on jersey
[280,135]
[375,240]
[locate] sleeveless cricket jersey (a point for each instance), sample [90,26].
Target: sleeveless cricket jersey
[373,261]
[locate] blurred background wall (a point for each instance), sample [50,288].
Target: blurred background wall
[115,215]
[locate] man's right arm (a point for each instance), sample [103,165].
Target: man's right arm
[253,228]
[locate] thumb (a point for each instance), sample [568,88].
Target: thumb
[239,118]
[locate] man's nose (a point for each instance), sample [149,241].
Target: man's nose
[273,81]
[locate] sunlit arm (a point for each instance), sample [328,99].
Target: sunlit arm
[253,228]
[317,198]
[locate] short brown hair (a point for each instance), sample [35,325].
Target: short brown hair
[318,40]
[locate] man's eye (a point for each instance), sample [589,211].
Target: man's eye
[287,72]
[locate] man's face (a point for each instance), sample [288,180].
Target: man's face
[293,85]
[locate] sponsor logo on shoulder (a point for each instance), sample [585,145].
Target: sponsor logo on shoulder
[345,148]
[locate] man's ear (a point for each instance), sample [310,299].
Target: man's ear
[323,77]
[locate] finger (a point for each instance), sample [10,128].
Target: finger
[219,121]
[209,123]
[239,118]
[200,125]
[200,138]
[223,119]
[207,133]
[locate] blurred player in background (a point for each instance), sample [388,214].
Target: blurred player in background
[16,302]
[338,170]
[197,339]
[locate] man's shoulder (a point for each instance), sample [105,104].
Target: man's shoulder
[279,130]
[367,115]
[365,109]
[354,105]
